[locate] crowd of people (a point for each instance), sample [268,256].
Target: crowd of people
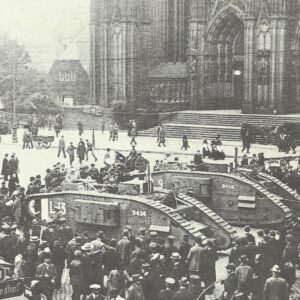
[144,265]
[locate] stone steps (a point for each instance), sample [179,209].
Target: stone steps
[199,125]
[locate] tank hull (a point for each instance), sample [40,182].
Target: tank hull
[91,211]
[237,200]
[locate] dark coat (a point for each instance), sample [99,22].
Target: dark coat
[5,167]
[230,285]
[276,289]
[76,272]
[183,294]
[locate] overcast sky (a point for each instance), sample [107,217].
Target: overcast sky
[47,27]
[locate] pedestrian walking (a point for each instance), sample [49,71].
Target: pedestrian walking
[111,132]
[80,128]
[81,151]
[57,129]
[62,147]
[162,138]
[116,132]
[103,126]
[90,148]
[133,136]
[71,151]
[5,167]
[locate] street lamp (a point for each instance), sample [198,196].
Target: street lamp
[14,123]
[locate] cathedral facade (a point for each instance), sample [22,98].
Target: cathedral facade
[197,54]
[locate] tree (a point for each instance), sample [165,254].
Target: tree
[30,85]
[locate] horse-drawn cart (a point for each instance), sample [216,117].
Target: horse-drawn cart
[41,141]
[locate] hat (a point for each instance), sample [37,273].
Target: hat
[129,227]
[152,245]
[171,237]
[153,233]
[77,253]
[175,255]
[136,277]
[87,247]
[32,178]
[247,228]
[230,267]
[95,287]
[146,266]
[143,229]
[184,281]
[243,258]
[14,226]
[34,239]
[47,250]
[195,279]
[5,227]
[170,280]
[276,269]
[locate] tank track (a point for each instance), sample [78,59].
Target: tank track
[294,195]
[277,200]
[211,215]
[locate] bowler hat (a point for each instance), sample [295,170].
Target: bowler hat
[34,239]
[87,247]
[175,255]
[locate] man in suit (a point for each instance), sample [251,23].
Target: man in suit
[276,287]
[62,147]
[196,258]
[46,274]
[95,295]
[76,275]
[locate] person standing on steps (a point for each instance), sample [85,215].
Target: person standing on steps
[61,147]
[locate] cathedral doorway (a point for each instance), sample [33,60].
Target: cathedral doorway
[225,61]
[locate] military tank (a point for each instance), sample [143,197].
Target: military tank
[137,203]
[177,199]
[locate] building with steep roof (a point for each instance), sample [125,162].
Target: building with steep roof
[69,82]
[237,54]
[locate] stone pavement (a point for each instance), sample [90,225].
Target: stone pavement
[149,144]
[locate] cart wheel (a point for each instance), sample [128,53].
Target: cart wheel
[47,145]
[39,144]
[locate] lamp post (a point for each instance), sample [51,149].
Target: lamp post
[14,123]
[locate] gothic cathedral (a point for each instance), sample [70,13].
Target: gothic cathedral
[197,54]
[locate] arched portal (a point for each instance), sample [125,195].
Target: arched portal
[225,82]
